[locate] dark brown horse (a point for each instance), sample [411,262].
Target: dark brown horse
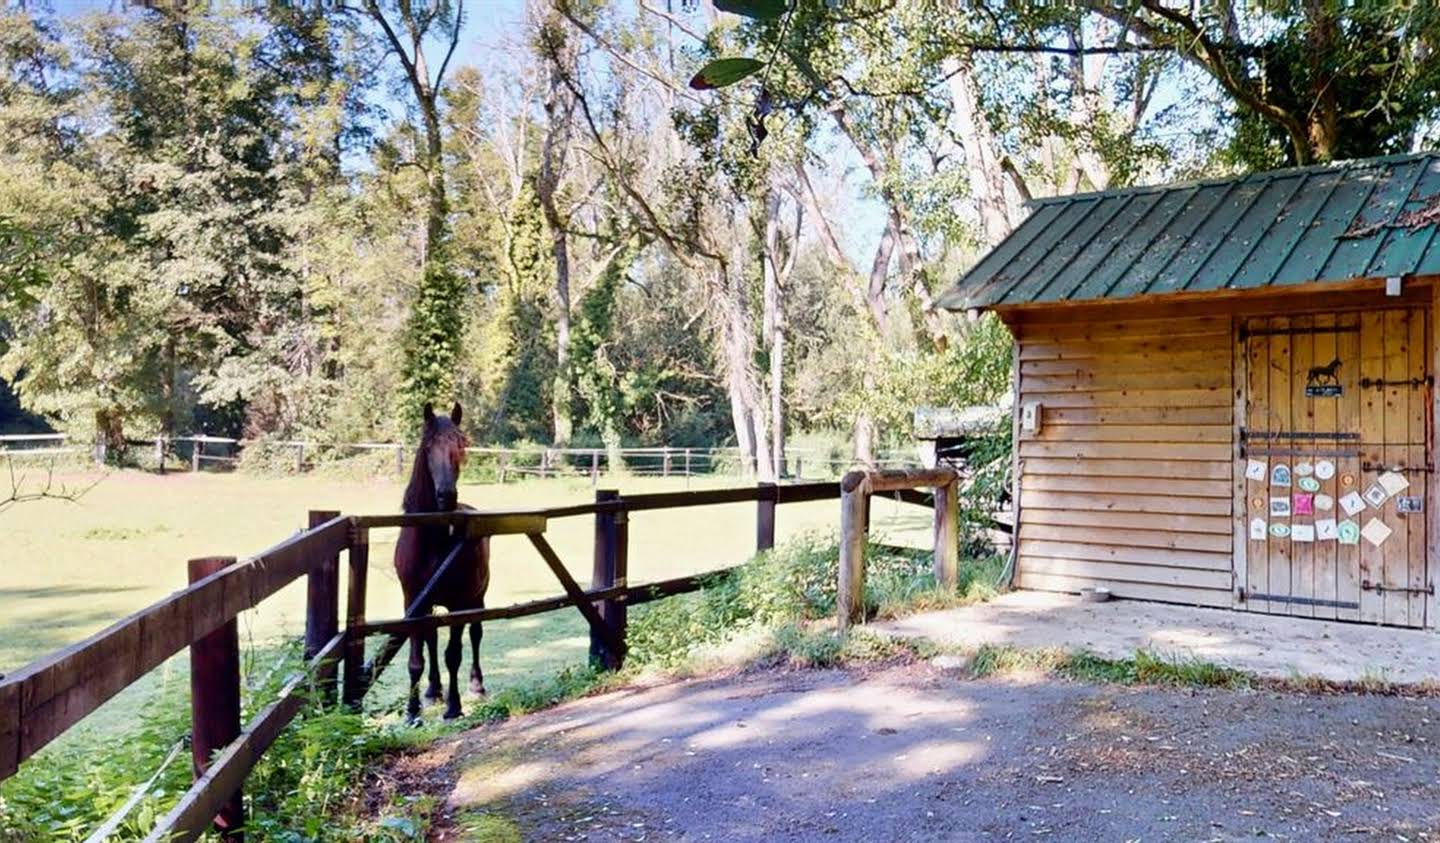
[421,550]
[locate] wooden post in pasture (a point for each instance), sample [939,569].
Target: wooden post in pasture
[359,559]
[322,609]
[850,599]
[765,517]
[594,468]
[160,454]
[947,535]
[665,462]
[611,538]
[504,464]
[300,459]
[195,445]
[215,697]
[687,462]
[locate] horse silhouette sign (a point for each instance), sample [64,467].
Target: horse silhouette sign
[1324,381]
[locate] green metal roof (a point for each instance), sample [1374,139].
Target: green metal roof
[1357,219]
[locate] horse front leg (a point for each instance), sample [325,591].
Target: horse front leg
[417,670]
[432,640]
[453,653]
[477,679]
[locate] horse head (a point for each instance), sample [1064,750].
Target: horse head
[443,450]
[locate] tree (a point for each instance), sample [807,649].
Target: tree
[436,322]
[1308,80]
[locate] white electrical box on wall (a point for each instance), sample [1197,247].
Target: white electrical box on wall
[1030,416]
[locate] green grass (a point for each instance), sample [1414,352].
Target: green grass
[1144,668]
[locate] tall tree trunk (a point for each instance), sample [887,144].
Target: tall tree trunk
[774,331]
[559,110]
[983,162]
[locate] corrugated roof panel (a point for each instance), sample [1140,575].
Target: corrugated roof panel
[1314,250]
[984,272]
[1291,225]
[1103,277]
[1405,243]
[1208,238]
[1247,236]
[1362,239]
[1101,247]
[1061,258]
[1071,215]
[1148,266]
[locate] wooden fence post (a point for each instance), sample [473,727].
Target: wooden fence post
[850,598]
[665,462]
[359,560]
[195,446]
[611,534]
[400,460]
[215,698]
[300,459]
[504,464]
[594,468]
[947,536]
[322,609]
[765,517]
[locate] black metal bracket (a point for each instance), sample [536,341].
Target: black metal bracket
[1381,588]
[1270,435]
[1380,383]
[1402,469]
[1247,332]
[1303,601]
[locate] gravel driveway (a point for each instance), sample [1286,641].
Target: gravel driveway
[910,753]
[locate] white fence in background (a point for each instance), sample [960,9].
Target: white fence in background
[506,463]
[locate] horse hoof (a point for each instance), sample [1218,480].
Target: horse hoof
[413,720]
[478,688]
[453,713]
[434,695]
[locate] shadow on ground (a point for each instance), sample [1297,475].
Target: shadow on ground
[908,753]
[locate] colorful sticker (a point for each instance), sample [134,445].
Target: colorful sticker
[1279,507]
[1257,529]
[1352,503]
[1302,533]
[1304,469]
[1255,470]
[1280,530]
[1326,529]
[1347,480]
[1324,503]
[1410,503]
[1324,469]
[1375,531]
[1280,475]
[1348,532]
[1303,505]
[1393,482]
[1308,484]
[1375,495]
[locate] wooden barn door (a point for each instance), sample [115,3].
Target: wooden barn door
[1336,411]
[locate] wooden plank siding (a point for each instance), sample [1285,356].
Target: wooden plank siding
[1128,482]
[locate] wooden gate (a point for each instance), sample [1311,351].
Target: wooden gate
[1334,459]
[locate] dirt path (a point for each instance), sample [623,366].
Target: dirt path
[908,753]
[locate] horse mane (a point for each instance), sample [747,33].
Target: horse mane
[420,492]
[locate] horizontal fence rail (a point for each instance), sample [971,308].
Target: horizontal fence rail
[42,700]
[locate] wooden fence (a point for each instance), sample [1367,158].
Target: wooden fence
[44,699]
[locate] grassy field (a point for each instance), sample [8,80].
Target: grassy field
[69,569]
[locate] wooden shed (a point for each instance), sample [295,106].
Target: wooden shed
[1225,391]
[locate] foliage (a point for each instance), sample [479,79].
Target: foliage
[790,584]
[1146,667]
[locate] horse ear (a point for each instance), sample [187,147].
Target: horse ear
[429,413]
[456,413]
